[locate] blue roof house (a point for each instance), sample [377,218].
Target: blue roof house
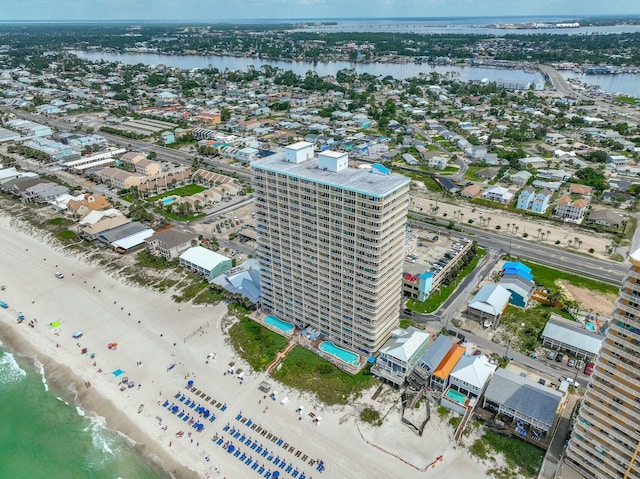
[518,269]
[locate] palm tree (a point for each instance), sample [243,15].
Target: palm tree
[548,233]
[578,243]
[569,243]
[539,231]
[508,226]
[517,228]
[481,220]
[488,220]
[575,241]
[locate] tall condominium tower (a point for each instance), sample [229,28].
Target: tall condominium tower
[330,244]
[606,438]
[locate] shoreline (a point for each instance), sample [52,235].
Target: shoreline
[66,385]
[161,345]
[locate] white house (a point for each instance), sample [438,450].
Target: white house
[499,194]
[205,262]
[400,354]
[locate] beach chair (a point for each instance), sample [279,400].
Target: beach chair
[259,449]
[276,461]
[193,405]
[285,445]
[185,418]
[181,398]
[282,464]
[270,457]
[188,403]
[243,457]
[279,443]
[243,438]
[181,414]
[321,467]
[243,420]
[258,429]
[212,418]
[248,461]
[267,474]
[166,403]
[261,470]
[295,473]
[298,453]
[224,407]
[304,458]
[207,399]
[302,476]
[274,439]
[219,405]
[219,442]
[249,423]
[226,428]
[264,432]
[238,417]
[237,435]
[237,453]
[253,446]
[177,395]
[255,465]
[264,453]
[289,469]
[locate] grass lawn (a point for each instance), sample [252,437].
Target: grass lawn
[545,276]
[209,296]
[434,301]
[147,260]
[307,371]
[256,344]
[66,234]
[60,222]
[186,190]
[190,291]
[177,217]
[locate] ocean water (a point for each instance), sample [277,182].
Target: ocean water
[42,436]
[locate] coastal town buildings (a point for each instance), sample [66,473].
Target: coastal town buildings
[606,440]
[330,244]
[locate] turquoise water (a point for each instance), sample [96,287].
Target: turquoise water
[590,326]
[168,201]
[286,328]
[456,396]
[342,354]
[41,436]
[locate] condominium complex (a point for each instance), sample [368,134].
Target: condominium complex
[330,244]
[606,439]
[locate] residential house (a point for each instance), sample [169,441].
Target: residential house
[617,160]
[440,376]
[549,185]
[532,162]
[520,178]
[434,355]
[529,405]
[244,281]
[530,200]
[520,288]
[400,354]
[475,153]
[205,262]
[488,304]
[438,162]
[553,175]
[171,242]
[410,160]
[487,173]
[471,375]
[472,191]
[571,337]
[89,203]
[246,155]
[126,237]
[571,210]
[554,138]
[148,168]
[607,217]
[516,268]
[499,194]
[107,222]
[583,190]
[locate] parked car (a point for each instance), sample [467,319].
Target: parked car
[571,363]
[559,358]
[408,312]
[541,381]
[588,369]
[551,355]
[59,275]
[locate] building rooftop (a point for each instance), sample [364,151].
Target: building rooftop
[492,299]
[474,370]
[570,333]
[406,345]
[436,353]
[203,257]
[449,362]
[370,181]
[520,394]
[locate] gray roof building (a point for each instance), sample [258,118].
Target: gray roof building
[517,397]
[565,335]
[436,353]
[121,232]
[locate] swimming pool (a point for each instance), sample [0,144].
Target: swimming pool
[590,326]
[342,354]
[286,328]
[456,396]
[168,201]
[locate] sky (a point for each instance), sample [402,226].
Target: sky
[219,10]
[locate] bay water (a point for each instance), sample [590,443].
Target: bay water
[44,435]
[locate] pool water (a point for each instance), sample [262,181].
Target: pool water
[456,396]
[286,328]
[168,201]
[342,354]
[590,326]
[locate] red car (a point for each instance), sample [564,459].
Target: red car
[588,369]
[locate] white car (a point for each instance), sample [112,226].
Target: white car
[59,275]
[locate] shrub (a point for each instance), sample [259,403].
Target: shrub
[591,250]
[498,227]
[557,241]
[371,416]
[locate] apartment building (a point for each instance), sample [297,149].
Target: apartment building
[330,244]
[606,437]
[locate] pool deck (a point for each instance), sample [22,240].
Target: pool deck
[297,338]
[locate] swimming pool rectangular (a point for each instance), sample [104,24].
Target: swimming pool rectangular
[286,328]
[339,353]
[456,396]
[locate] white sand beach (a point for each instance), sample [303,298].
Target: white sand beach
[160,346]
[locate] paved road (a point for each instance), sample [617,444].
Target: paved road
[558,82]
[602,270]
